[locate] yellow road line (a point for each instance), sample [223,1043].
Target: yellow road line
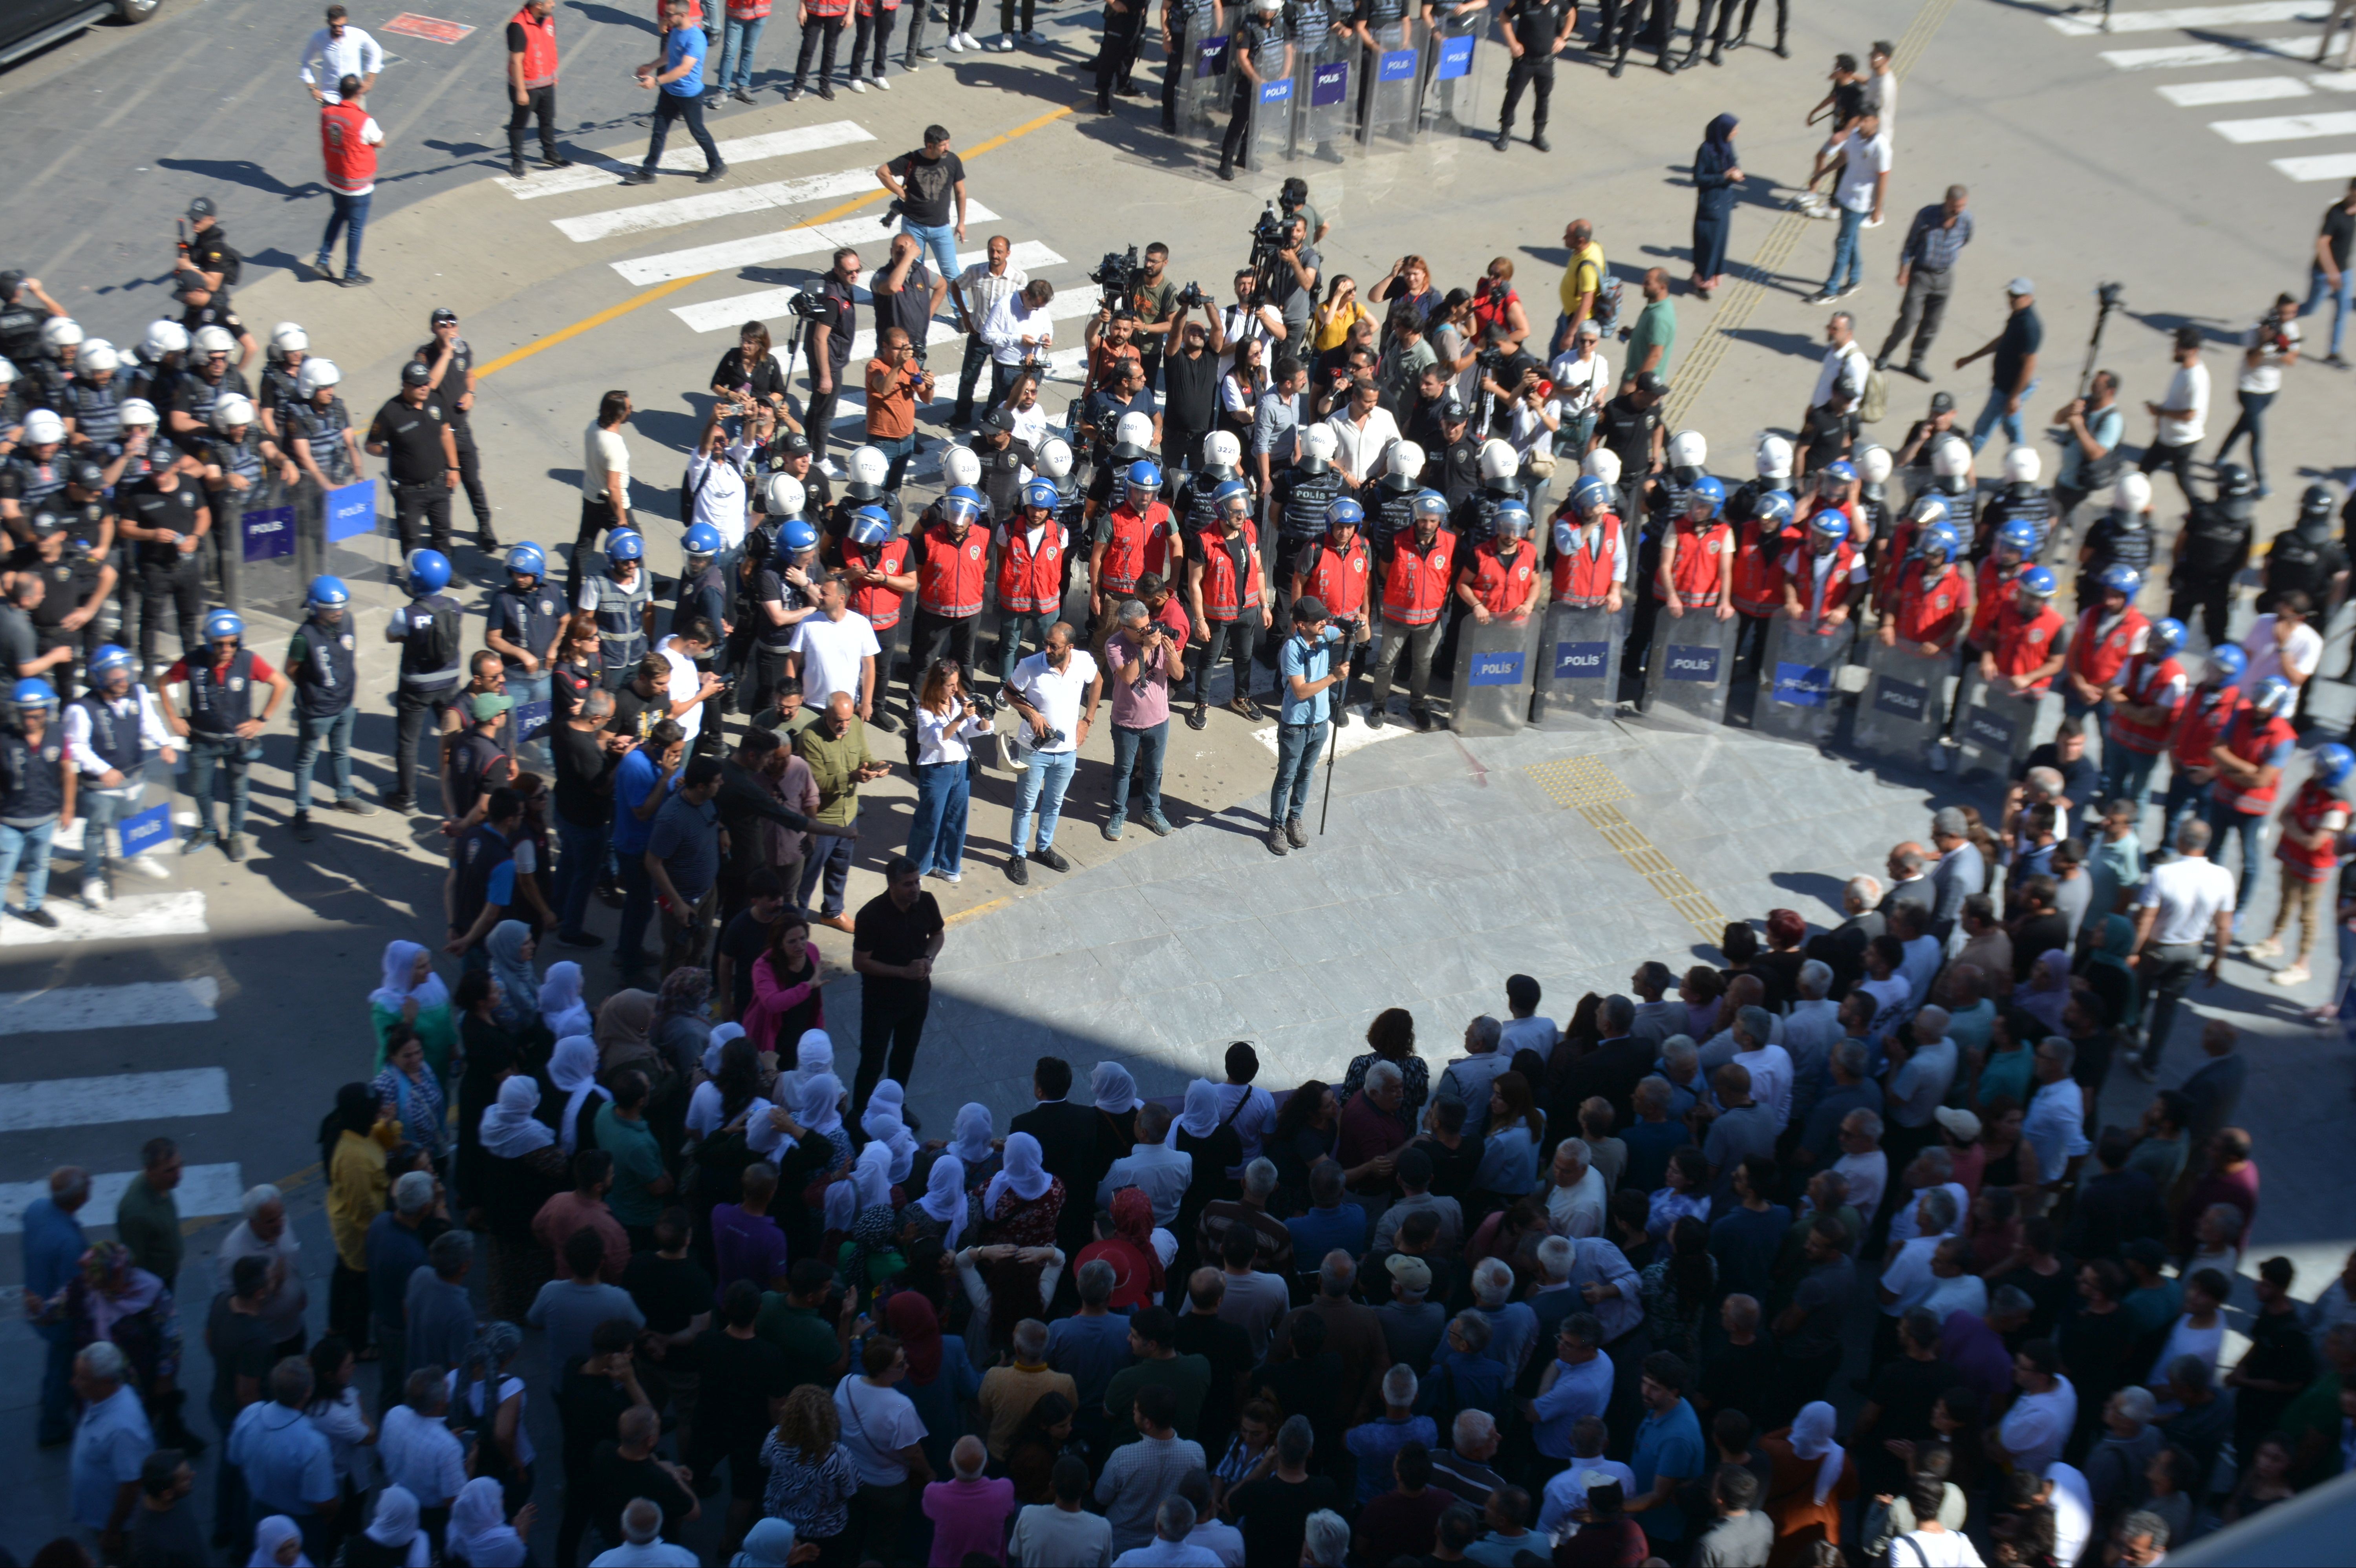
[977,909]
[615,313]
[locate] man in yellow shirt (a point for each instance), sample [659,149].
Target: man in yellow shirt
[1581,281]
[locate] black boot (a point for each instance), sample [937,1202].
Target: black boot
[1619,62]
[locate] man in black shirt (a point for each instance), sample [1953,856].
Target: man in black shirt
[744,802]
[1631,429]
[907,293]
[743,940]
[830,332]
[893,943]
[929,186]
[1066,1132]
[738,1376]
[1534,32]
[168,520]
[1274,1510]
[597,1389]
[587,751]
[2328,276]
[450,360]
[421,455]
[1190,372]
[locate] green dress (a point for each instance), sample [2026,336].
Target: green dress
[437,1032]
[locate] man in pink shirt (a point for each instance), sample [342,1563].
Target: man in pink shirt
[593,1174]
[969,1513]
[1146,655]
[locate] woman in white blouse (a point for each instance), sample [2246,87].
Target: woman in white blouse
[1240,387]
[946,726]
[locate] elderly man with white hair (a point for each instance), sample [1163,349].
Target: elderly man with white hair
[1463,1467]
[1376,1443]
[1906,1277]
[642,1542]
[1512,1325]
[263,1232]
[1931,1170]
[1324,1539]
[1862,1162]
[2054,1128]
[1169,1548]
[1768,1064]
[1920,1075]
[111,1442]
[1468,1079]
[1574,1195]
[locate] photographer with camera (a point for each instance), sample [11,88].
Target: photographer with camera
[1109,337]
[1190,380]
[832,311]
[897,383]
[1020,334]
[1307,671]
[1290,263]
[1506,374]
[2271,349]
[1055,691]
[1148,656]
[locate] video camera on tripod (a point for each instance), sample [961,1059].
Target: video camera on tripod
[1118,275]
[1270,235]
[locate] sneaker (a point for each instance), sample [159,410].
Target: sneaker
[357,280]
[1156,824]
[581,939]
[712,175]
[1276,844]
[325,269]
[1112,830]
[1375,718]
[300,825]
[39,917]
[858,84]
[794,92]
[2296,974]
[148,867]
[354,806]
[1295,833]
[927,56]
[2336,361]
[1822,296]
[234,846]
[1018,872]
[1006,44]
[555,161]
[1243,707]
[971,41]
[2269,948]
[1048,856]
[956,45]
[1501,141]
[742,95]
[197,839]
[1422,717]
[880,85]
[94,894]
[401,803]
[826,91]
[946,876]
[885,722]
[1540,143]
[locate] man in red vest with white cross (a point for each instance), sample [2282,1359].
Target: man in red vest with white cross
[348,138]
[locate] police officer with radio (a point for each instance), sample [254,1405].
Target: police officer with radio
[222,728]
[206,255]
[449,361]
[168,520]
[526,616]
[428,629]
[411,433]
[324,664]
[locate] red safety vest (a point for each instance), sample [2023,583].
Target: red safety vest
[879,603]
[1339,579]
[1583,574]
[1417,584]
[2311,811]
[1503,587]
[1225,592]
[2021,644]
[2251,742]
[1758,569]
[1989,600]
[1895,558]
[2199,723]
[1029,582]
[1796,568]
[2099,660]
[1695,571]
[351,162]
[2144,679]
[1137,539]
[949,572]
[1930,611]
[539,47]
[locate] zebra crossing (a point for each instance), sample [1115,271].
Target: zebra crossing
[2277,86]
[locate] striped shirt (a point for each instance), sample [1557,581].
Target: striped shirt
[1931,244]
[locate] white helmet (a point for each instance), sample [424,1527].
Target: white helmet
[1603,464]
[1055,457]
[60,332]
[2022,466]
[1873,465]
[316,374]
[782,496]
[869,466]
[960,467]
[42,426]
[1775,459]
[97,355]
[1134,429]
[1952,458]
[8,371]
[231,409]
[1688,449]
[164,337]
[1407,460]
[1499,460]
[289,339]
[2132,494]
[1317,441]
[137,411]
[1222,450]
[215,340]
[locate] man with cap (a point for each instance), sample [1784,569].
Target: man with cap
[221,726]
[413,434]
[450,362]
[206,255]
[1307,671]
[2015,350]
[474,763]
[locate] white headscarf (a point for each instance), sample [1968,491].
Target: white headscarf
[869,1185]
[1022,1172]
[573,1069]
[1811,1438]
[400,964]
[479,1530]
[274,1531]
[1114,1089]
[884,1125]
[721,1035]
[769,1544]
[820,1107]
[944,1198]
[561,1007]
[394,1523]
[815,1052]
[971,1144]
[1200,1119]
[510,1131]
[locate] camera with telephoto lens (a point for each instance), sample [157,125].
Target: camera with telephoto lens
[807,305]
[892,213]
[1192,295]
[1118,275]
[984,705]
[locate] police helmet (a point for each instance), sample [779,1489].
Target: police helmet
[2273,696]
[1055,457]
[1939,537]
[868,468]
[136,411]
[1042,494]
[1774,459]
[870,527]
[2333,763]
[288,337]
[2022,466]
[1829,524]
[2234,481]
[2168,634]
[1513,521]
[2037,582]
[61,331]
[2315,501]
[98,356]
[329,593]
[1499,461]
[216,340]
[782,496]
[33,692]
[1873,463]
[2132,494]
[231,411]
[962,504]
[1773,510]
[1603,464]
[164,337]
[703,539]
[111,657]
[1708,491]
[1229,492]
[2019,535]
[1222,450]
[624,544]
[1688,449]
[429,569]
[960,467]
[43,428]
[318,374]
[1403,470]
[528,559]
[1347,514]
[2228,663]
[2120,578]
[1929,507]
[1429,504]
[1142,475]
[799,536]
[1591,496]
[222,623]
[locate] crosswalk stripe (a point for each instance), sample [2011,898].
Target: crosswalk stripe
[203,1190]
[2181,16]
[2242,89]
[126,919]
[2185,57]
[122,1097]
[712,314]
[2327,167]
[594,170]
[140,1005]
[725,202]
[761,250]
[2285,127]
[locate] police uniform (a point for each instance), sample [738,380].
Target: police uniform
[96,409]
[462,431]
[21,318]
[220,698]
[323,662]
[951,577]
[2215,546]
[32,794]
[1300,503]
[528,619]
[215,312]
[1189,23]
[1538,25]
[620,609]
[418,469]
[431,654]
[210,251]
[1386,19]
[1415,579]
[2116,539]
[1264,44]
[31,481]
[2304,561]
[169,578]
[242,459]
[323,429]
[1124,27]
[278,393]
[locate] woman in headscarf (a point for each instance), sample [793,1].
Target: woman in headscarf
[1137,1274]
[562,1006]
[813,1054]
[413,994]
[682,1032]
[769,1544]
[573,1074]
[510,947]
[1717,171]
[946,1208]
[1216,1147]
[393,1539]
[277,1544]
[973,1144]
[2048,991]
[352,1144]
[482,1534]
[520,1167]
[941,1378]
[491,1053]
[112,1299]
[2104,965]
[487,1400]
[1115,1092]
[788,1001]
[408,1091]
[624,1021]
[868,1186]
[1810,1477]
[1019,1209]
[1392,1039]
[883,1125]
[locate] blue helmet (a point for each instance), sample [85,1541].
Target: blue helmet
[624,544]
[528,559]
[220,623]
[1830,524]
[704,540]
[2037,580]
[2273,696]
[1230,490]
[1941,537]
[1513,519]
[1707,489]
[1429,504]
[2168,634]
[2228,663]
[1772,510]
[1042,494]
[327,593]
[429,571]
[1592,495]
[1840,471]
[2120,578]
[114,656]
[1143,475]
[870,527]
[1345,514]
[2333,763]
[1929,507]
[33,692]
[961,503]
[2020,534]
[796,534]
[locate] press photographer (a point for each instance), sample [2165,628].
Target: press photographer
[833,322]
[1288,273]
[2271,349]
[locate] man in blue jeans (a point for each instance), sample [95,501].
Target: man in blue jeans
[53,1245]
[929,186]
[641,784]
[1858,191]
[1148,657]
[1055,691]
[1306,671]
[2328,277]
[321,662]
[2015,376]
[676,77]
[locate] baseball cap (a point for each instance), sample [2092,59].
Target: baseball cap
[202,207]
[1310,608]
[1451,411]
[491,704]
[1410,1271]
[793,444]
[1958,1121]
[2019,286]
[416,374]
[445,316]
[1652,385]
[1942,403]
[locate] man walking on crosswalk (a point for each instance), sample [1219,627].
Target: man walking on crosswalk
[675,77]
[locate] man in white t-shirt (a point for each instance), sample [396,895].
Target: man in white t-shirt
[835,649]
[1858,192]
[2270,348]
[1931,1545]
[715,479]
[2038,1425]
[2182,419]
[2184,903]
[1862,1164]
[2282,644]
[1055,692]
[1582,385]
[882,1437]
[686,684]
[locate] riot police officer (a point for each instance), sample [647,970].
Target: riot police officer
[2211,550]
[2121,536]
[324,664]
[526,616]
[421,455]
[35,793]
[222,728]
[1303,492]
[2306,558]
[428,629]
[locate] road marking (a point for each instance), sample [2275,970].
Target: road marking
[2182,17]
[714,316]
[2285,127]
[124,1097]
[2185,57]
[2242,89]
[2327,167]
[203,1190]
[726,202]
[128,919]
[138,1006]
[594,171]
[783,244]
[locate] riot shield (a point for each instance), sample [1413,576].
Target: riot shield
[1452,64]
[1799,696]
[1271,125]
[1905,705]
[1994,731]
[1205,99]
[1692,665]
[1320,96]
[1388,86]
[1492,695]
[1578,674]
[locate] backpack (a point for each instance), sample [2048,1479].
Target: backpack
[1875,401]
[439,649]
